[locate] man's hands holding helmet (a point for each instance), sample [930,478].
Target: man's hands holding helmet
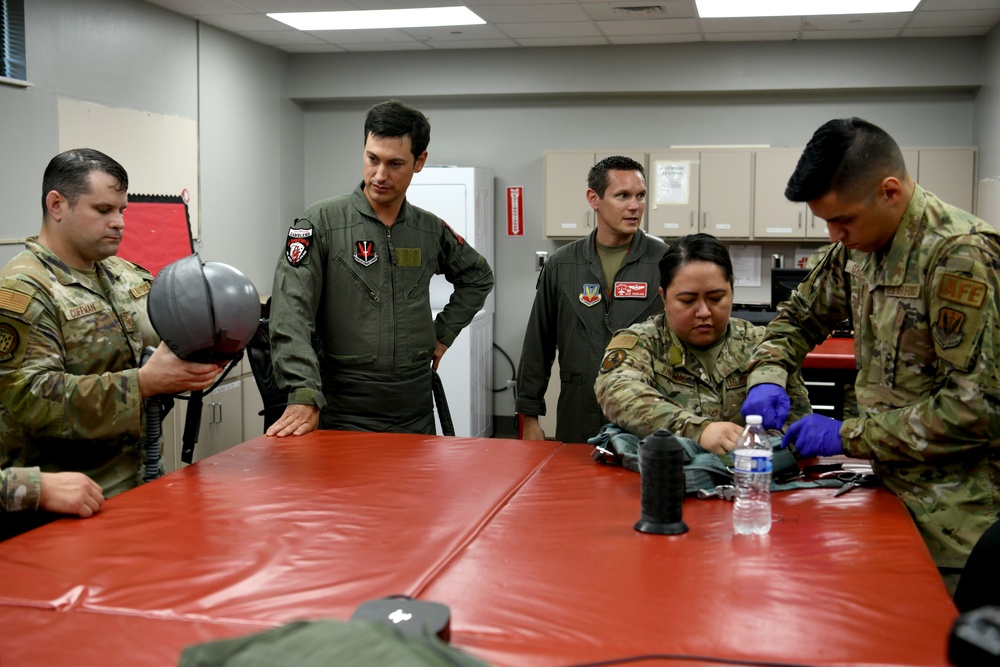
[166,373]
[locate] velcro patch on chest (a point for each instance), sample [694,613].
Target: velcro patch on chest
[76,312]
[735,382]
[623,341]
[139,290]
[962,290]
[903,291]
[13,301]
[682,378]
[408,256]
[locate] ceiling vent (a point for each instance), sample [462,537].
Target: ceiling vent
[639,11]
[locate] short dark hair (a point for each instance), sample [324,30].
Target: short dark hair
[848,156]
[69,174]
[597,178]
[392,118]
[694,248]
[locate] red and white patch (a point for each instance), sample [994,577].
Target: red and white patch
[454,233]
[297,245]
[627,290]
[365,253]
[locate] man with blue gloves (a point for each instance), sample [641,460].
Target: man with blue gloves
[919,279]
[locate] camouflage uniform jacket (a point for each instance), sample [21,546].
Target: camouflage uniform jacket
[649,379]
[20,489]
[927,341]
[69,357]
[363,289]
[575,314]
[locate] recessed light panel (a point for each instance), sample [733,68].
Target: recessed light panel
[379,18]
[742,8]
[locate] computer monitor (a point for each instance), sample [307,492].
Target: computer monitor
[783,281]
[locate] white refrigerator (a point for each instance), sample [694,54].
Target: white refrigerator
[463,197]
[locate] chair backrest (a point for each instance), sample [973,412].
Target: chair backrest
[979,585]
[259,356]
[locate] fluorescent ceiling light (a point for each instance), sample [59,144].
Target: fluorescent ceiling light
[379,18]
[711,9]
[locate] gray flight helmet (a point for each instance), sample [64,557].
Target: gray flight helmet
[203,311]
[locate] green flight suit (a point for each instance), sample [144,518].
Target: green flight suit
[649,379]
[360,290]
[927,341]
[575,314]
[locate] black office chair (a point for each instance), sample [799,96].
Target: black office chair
[259,355]
[979,585]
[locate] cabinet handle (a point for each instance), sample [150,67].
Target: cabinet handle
[219,421]
[704,220]
[800,219]
[692,218]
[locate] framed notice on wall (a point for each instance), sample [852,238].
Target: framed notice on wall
[159,152]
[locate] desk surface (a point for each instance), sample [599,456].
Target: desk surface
[835,353]
[530,544]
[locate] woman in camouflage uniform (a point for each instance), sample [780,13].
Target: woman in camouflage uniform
[683,369]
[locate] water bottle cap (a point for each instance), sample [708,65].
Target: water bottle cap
[754,420]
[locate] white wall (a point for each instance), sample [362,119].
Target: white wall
[133,55]
[648,97]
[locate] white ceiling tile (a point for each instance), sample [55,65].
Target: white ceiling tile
[858,21]
[956,19]
[785,36]
[944,32]
[563,41]
[523,13]
[554,30]
[849,34]
[661,27]
[768,25]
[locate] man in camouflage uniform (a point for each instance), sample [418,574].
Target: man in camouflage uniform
[587,290]
[920,279]
[649,380]
[73,327]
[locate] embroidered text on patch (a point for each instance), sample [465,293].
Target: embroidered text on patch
[963,291]
[297,246]
[630,290]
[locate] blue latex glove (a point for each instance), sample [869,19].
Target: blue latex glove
[770,402]
[815,435]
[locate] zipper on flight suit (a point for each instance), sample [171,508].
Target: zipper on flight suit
[392,290]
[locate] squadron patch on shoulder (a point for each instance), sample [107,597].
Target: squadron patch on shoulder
[297,246]
[365,253]
[457,236]
[9,340]
[591,295]
[623,340]
[962,290]
[947,330]
[612,360]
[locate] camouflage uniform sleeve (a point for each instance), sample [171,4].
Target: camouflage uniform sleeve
[20,489]
[626,390]
[806,319]
[799,396]
[37,390]
[962,411]
[472,278]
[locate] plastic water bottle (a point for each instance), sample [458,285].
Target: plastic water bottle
[752,478]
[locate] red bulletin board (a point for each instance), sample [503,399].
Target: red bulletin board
[157,231]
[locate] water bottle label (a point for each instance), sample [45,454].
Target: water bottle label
[758,461]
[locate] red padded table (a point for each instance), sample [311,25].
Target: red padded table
[530,544]
[561,577]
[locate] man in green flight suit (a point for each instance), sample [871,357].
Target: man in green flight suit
[73,327]
[588,290]
[919,277]
[352,337]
